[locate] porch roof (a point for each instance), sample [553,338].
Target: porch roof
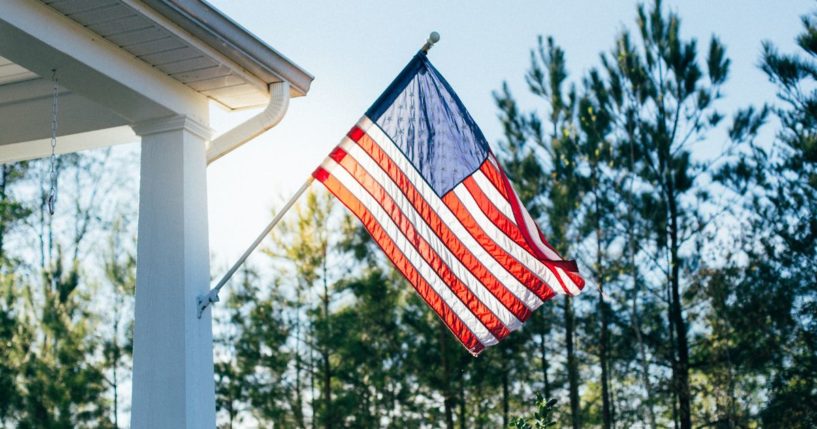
[192,42]
[122,62]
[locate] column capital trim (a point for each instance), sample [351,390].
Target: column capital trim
[172,123]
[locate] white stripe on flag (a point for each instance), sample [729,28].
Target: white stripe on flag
[498,236]
[445,254]
[574,290]
[497,269]
[474,325]
[493,194]
[533,230]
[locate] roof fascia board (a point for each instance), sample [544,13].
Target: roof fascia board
[39,38]
[194,41]
[210,25]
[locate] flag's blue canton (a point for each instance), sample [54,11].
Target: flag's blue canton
[427,121]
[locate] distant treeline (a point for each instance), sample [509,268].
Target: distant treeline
[700,256]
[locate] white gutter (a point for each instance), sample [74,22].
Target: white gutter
[253,127]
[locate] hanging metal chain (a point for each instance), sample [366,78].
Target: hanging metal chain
[52,193]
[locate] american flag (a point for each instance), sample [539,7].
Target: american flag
[418,173]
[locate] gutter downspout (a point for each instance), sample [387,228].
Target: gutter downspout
[253,127]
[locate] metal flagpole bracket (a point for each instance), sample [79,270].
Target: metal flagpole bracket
[433,38]
[204,301]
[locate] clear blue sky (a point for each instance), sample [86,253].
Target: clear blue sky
[355,48]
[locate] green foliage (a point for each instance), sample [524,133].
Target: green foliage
[662,105]
[780,243]
[612,166]
[542,418]
[11,348]
[707,267]
[255,375]
[58,356]
[56,383]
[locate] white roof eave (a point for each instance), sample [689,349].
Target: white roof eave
[232,40]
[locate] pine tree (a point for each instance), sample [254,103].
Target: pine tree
[595,151]
[120,273]
[305,243]
[12,212]
[776,284]
[253,371]
[541,160]
[56,355]
[671,107]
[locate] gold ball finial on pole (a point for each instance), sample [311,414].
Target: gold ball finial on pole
[433,38]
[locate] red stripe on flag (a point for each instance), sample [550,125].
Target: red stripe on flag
[516,268]
[355,133]
[506,297]
[461,290]
[498,178]
[517,208]
[497,217]
[320,174]
[494,172]
[494,176]
[448,316]
[337,154]
[513,232]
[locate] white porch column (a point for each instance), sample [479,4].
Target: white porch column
[173,383]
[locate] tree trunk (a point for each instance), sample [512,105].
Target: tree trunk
[607,415]
[636,321]
[298,411]
[327,390]
[448,398]
[299,415]
[116,357]
[673,356]
[505,395]
[543,352]
[572,365]
[462,416]
[3,179]
[681,375]
[313,396]
[327,368]
[480,408]
[642,354]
